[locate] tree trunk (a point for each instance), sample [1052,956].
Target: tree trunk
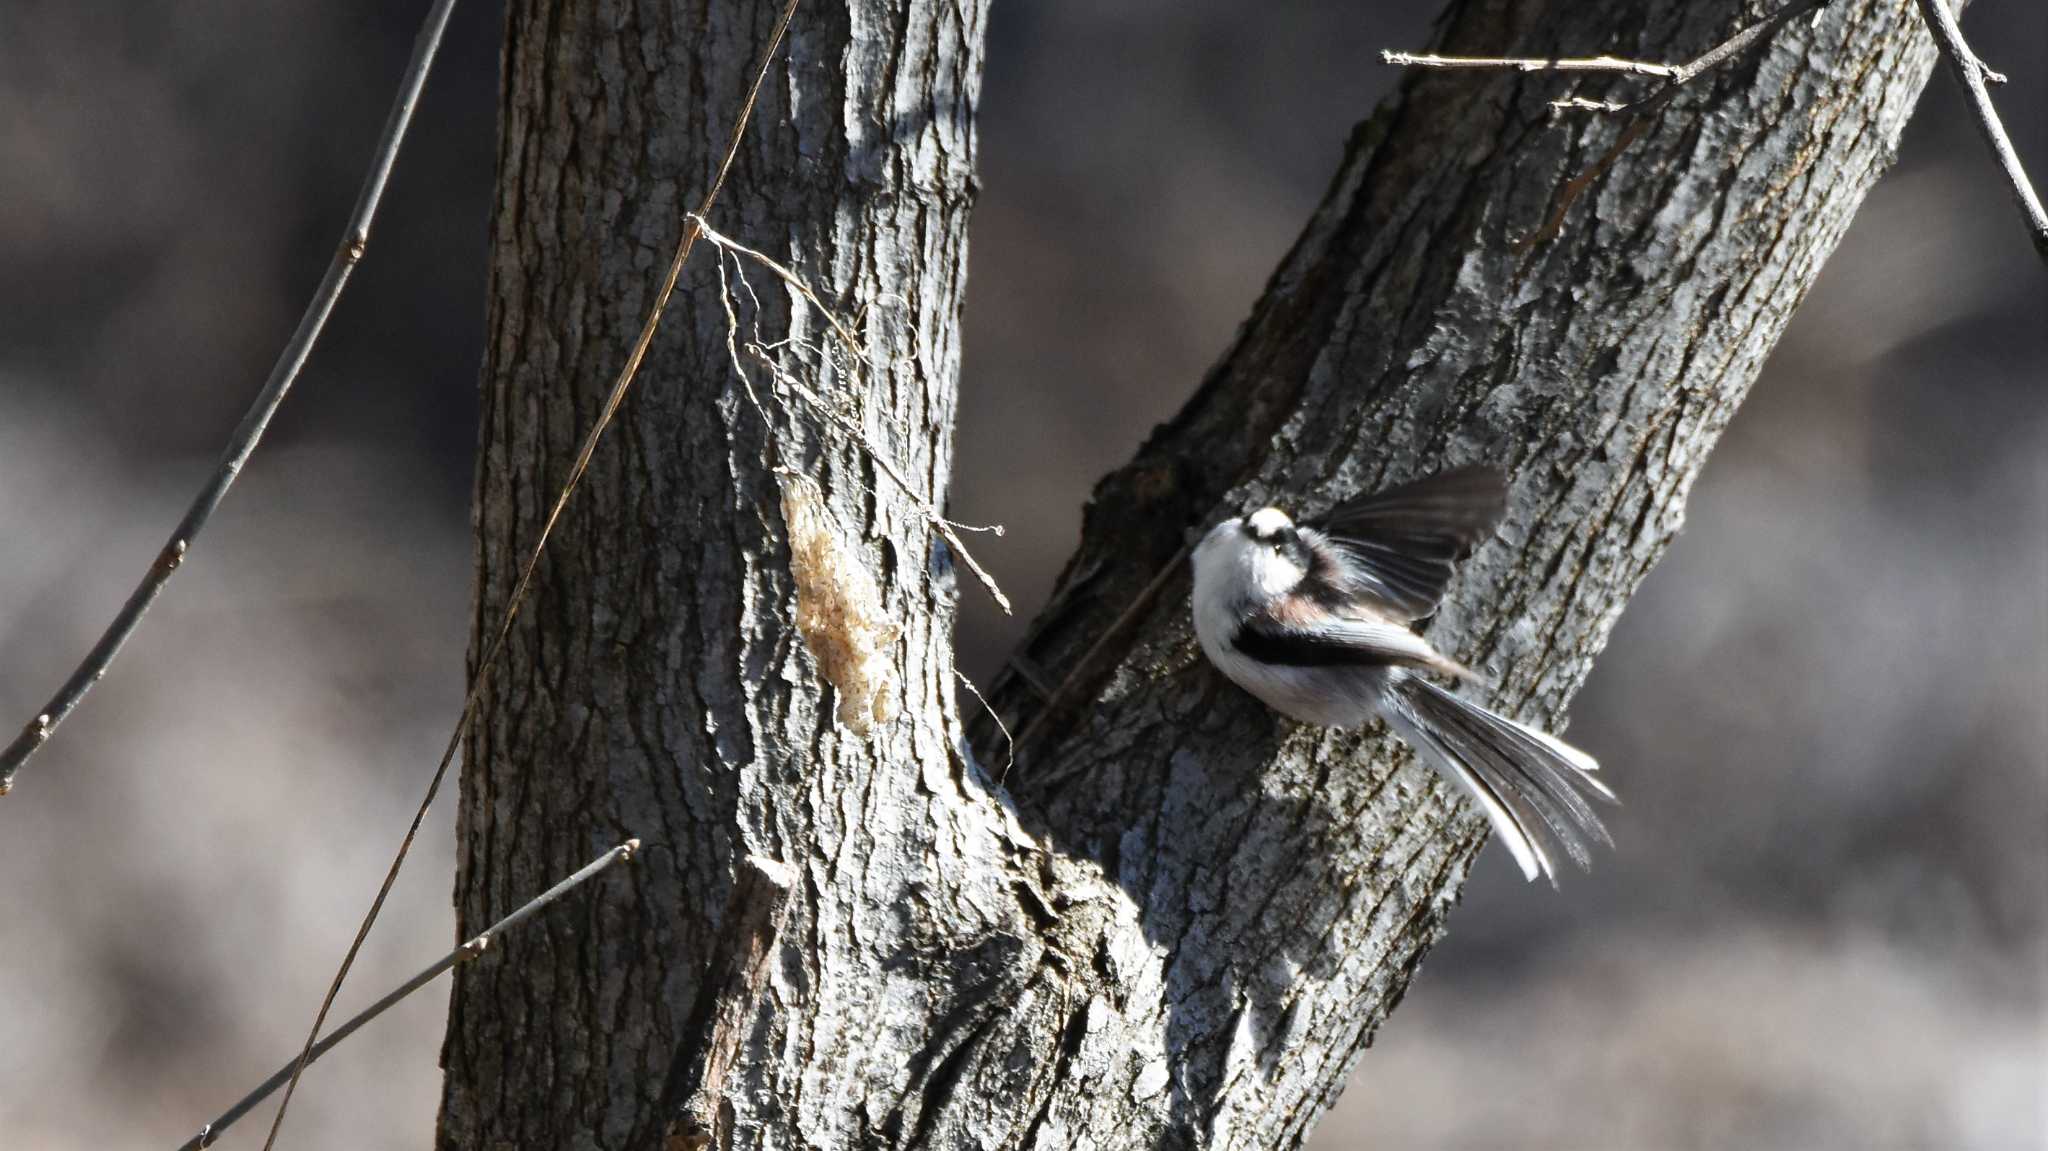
[1182,919]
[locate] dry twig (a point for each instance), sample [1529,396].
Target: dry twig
[1644,109]
[840,421]
[617,396]
[1009,743]
[354,242]
[1084,667]
[469,952]
[1971,73]
[1532,63]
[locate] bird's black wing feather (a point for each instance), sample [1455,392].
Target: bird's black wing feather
[1404,542]
[1331,643]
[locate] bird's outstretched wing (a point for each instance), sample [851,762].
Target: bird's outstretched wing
[1403,542]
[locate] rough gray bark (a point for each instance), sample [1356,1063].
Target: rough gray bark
[1184,919]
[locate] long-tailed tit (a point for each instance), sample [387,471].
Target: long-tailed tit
[1316,620]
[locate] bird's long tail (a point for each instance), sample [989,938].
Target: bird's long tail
[1533,786]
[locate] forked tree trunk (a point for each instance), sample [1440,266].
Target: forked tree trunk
[1183,920]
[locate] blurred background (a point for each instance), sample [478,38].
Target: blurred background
[1826,925]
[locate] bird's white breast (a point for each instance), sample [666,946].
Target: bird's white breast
[1236,576]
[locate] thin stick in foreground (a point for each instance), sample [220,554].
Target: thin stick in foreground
[1971,73]
[853,431]
[469,952]
[1531,63]
[354,242]
[1085,666]
[489,660]
[1674,77]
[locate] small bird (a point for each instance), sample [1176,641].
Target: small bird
[1316,619]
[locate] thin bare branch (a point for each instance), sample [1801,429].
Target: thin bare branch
[1588,104]
[1674,77]
[355,241]
[1085,666]
[1530,63]
[469,952]
[996,717]
[857,354]
[1971,73]
[624,381]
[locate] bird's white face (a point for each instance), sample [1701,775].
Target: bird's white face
[1253,565]
[1268,524]
[1250,559]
